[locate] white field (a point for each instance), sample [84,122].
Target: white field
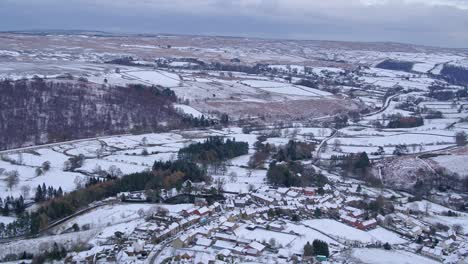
[382,256]
[454,163]
[391,140]
[165,79]
[450,221]
[341,230]
[120,213]
[307,235]
[264,235]
[188,110]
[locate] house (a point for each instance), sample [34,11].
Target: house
[224,253]
[366,225]
[173,228]
[446,244]
[292,194]
[186,256]
[254,249]
[354,212]
[416,231]
[202,211]
[229,226]
[348,219]
[262,198]
[308,191]
[282,191]
[276,227]
[181,241]
[188,212]
[435,253]
[380,219]
[216,207]
[239,203]
[204,242]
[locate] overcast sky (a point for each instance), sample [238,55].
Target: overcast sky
[429,22]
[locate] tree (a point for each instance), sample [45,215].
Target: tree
[272,242]
[219,182]
[308,250]
[25,189]
[114,172]
[12,179]
[233,176]
[144,141]
[460,138]
[400,150]
[317,212]
[324,147]
[363,161]
[144,152]
[224,119]
[46,166]
[79,182]
[458,229]
[359,188]
[67,165]
[38,172]
[337,145]
[387,246]
[320,248]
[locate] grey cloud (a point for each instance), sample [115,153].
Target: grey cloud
[430,22]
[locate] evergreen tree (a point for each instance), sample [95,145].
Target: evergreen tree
[320,248]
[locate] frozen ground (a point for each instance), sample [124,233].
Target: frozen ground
[454,163]
[381,256]
[343,231]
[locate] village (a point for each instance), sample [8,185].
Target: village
[275,223]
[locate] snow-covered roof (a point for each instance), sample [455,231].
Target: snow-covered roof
[204,242]
[258,246]
[369,222]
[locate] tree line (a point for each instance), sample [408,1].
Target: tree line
[214,149]
[292,173]
[164,175]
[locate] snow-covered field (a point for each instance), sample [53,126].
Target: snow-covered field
[454,163]
[110,215]
[381,256]
[343,231]
[188,110]
[165,79]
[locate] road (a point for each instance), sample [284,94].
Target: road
[320,146]
[384,107]
[58,143]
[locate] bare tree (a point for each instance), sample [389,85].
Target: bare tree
[337,145]
[12,179]
[46,165]
[219,182]
[114,172]
[272,242]
[458,229]
[233,176]
[25,189]
[79,182]
[38,172]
